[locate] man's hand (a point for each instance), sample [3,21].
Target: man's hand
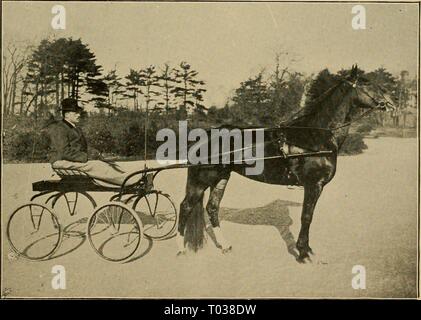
[112,164]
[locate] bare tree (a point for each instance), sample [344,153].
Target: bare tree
[15,59]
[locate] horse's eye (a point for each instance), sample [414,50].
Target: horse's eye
[382,104]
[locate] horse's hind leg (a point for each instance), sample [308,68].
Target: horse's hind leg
[212,207]
[311,195]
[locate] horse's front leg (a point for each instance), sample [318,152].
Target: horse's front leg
[212,207]
[311,195]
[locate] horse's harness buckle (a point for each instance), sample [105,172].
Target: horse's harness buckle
[282,146]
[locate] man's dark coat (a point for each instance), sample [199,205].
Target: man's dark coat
[67,143]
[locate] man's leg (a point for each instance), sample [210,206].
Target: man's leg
[97,169]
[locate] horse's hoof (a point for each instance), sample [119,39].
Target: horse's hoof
[304,259]
[308,250]
[226,250]
[181,253]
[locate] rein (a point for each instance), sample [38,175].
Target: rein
[346,124]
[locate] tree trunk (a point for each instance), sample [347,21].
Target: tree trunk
[185,97]
[62,86]
[13,98]
[56,111]
[21,98]
[9,95]
[41,100]
[36,99]
[73,90]
[167,97]
[77,86]
[5,101]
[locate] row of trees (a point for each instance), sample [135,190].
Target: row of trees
[61,68]
[36,79]
[164,90]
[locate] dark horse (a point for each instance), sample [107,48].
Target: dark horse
[322,126]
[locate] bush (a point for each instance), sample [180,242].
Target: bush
[121,135]
[364,128]
[353,144]
[25,140]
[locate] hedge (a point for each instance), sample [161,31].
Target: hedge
[121,135]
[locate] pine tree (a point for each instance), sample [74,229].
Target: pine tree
[60,67]
[250,100]
[149,83]
[133,85]
[115,89]
[166,83]
[188,89]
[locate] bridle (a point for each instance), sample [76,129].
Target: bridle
[383,105]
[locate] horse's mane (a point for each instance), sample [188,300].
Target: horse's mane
[321,88]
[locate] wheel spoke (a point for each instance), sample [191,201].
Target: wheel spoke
[149,205]
[122,241]
[39,218]
[120,216]
[161,219]
[32,217]
[129,234]
[44,236]
[156,203]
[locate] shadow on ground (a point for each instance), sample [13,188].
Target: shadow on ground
[74,236]
[274,214]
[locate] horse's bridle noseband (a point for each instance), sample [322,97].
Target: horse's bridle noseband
[380,105]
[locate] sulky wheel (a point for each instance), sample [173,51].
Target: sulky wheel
[34,231]
[158,214]
[115,232]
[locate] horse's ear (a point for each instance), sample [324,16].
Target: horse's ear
[354,71]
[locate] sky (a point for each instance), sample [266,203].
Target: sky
[227,42]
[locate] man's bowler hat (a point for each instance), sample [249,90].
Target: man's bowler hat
[70,104]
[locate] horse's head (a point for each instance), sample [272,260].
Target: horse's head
[367,95]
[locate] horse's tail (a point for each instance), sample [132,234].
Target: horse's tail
[194,234]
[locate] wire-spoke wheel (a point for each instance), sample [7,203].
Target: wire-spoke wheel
[115,232]
[34,231]
[158,214]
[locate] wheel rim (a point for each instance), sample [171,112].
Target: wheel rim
[158,215]
[34,231]
[115,232]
